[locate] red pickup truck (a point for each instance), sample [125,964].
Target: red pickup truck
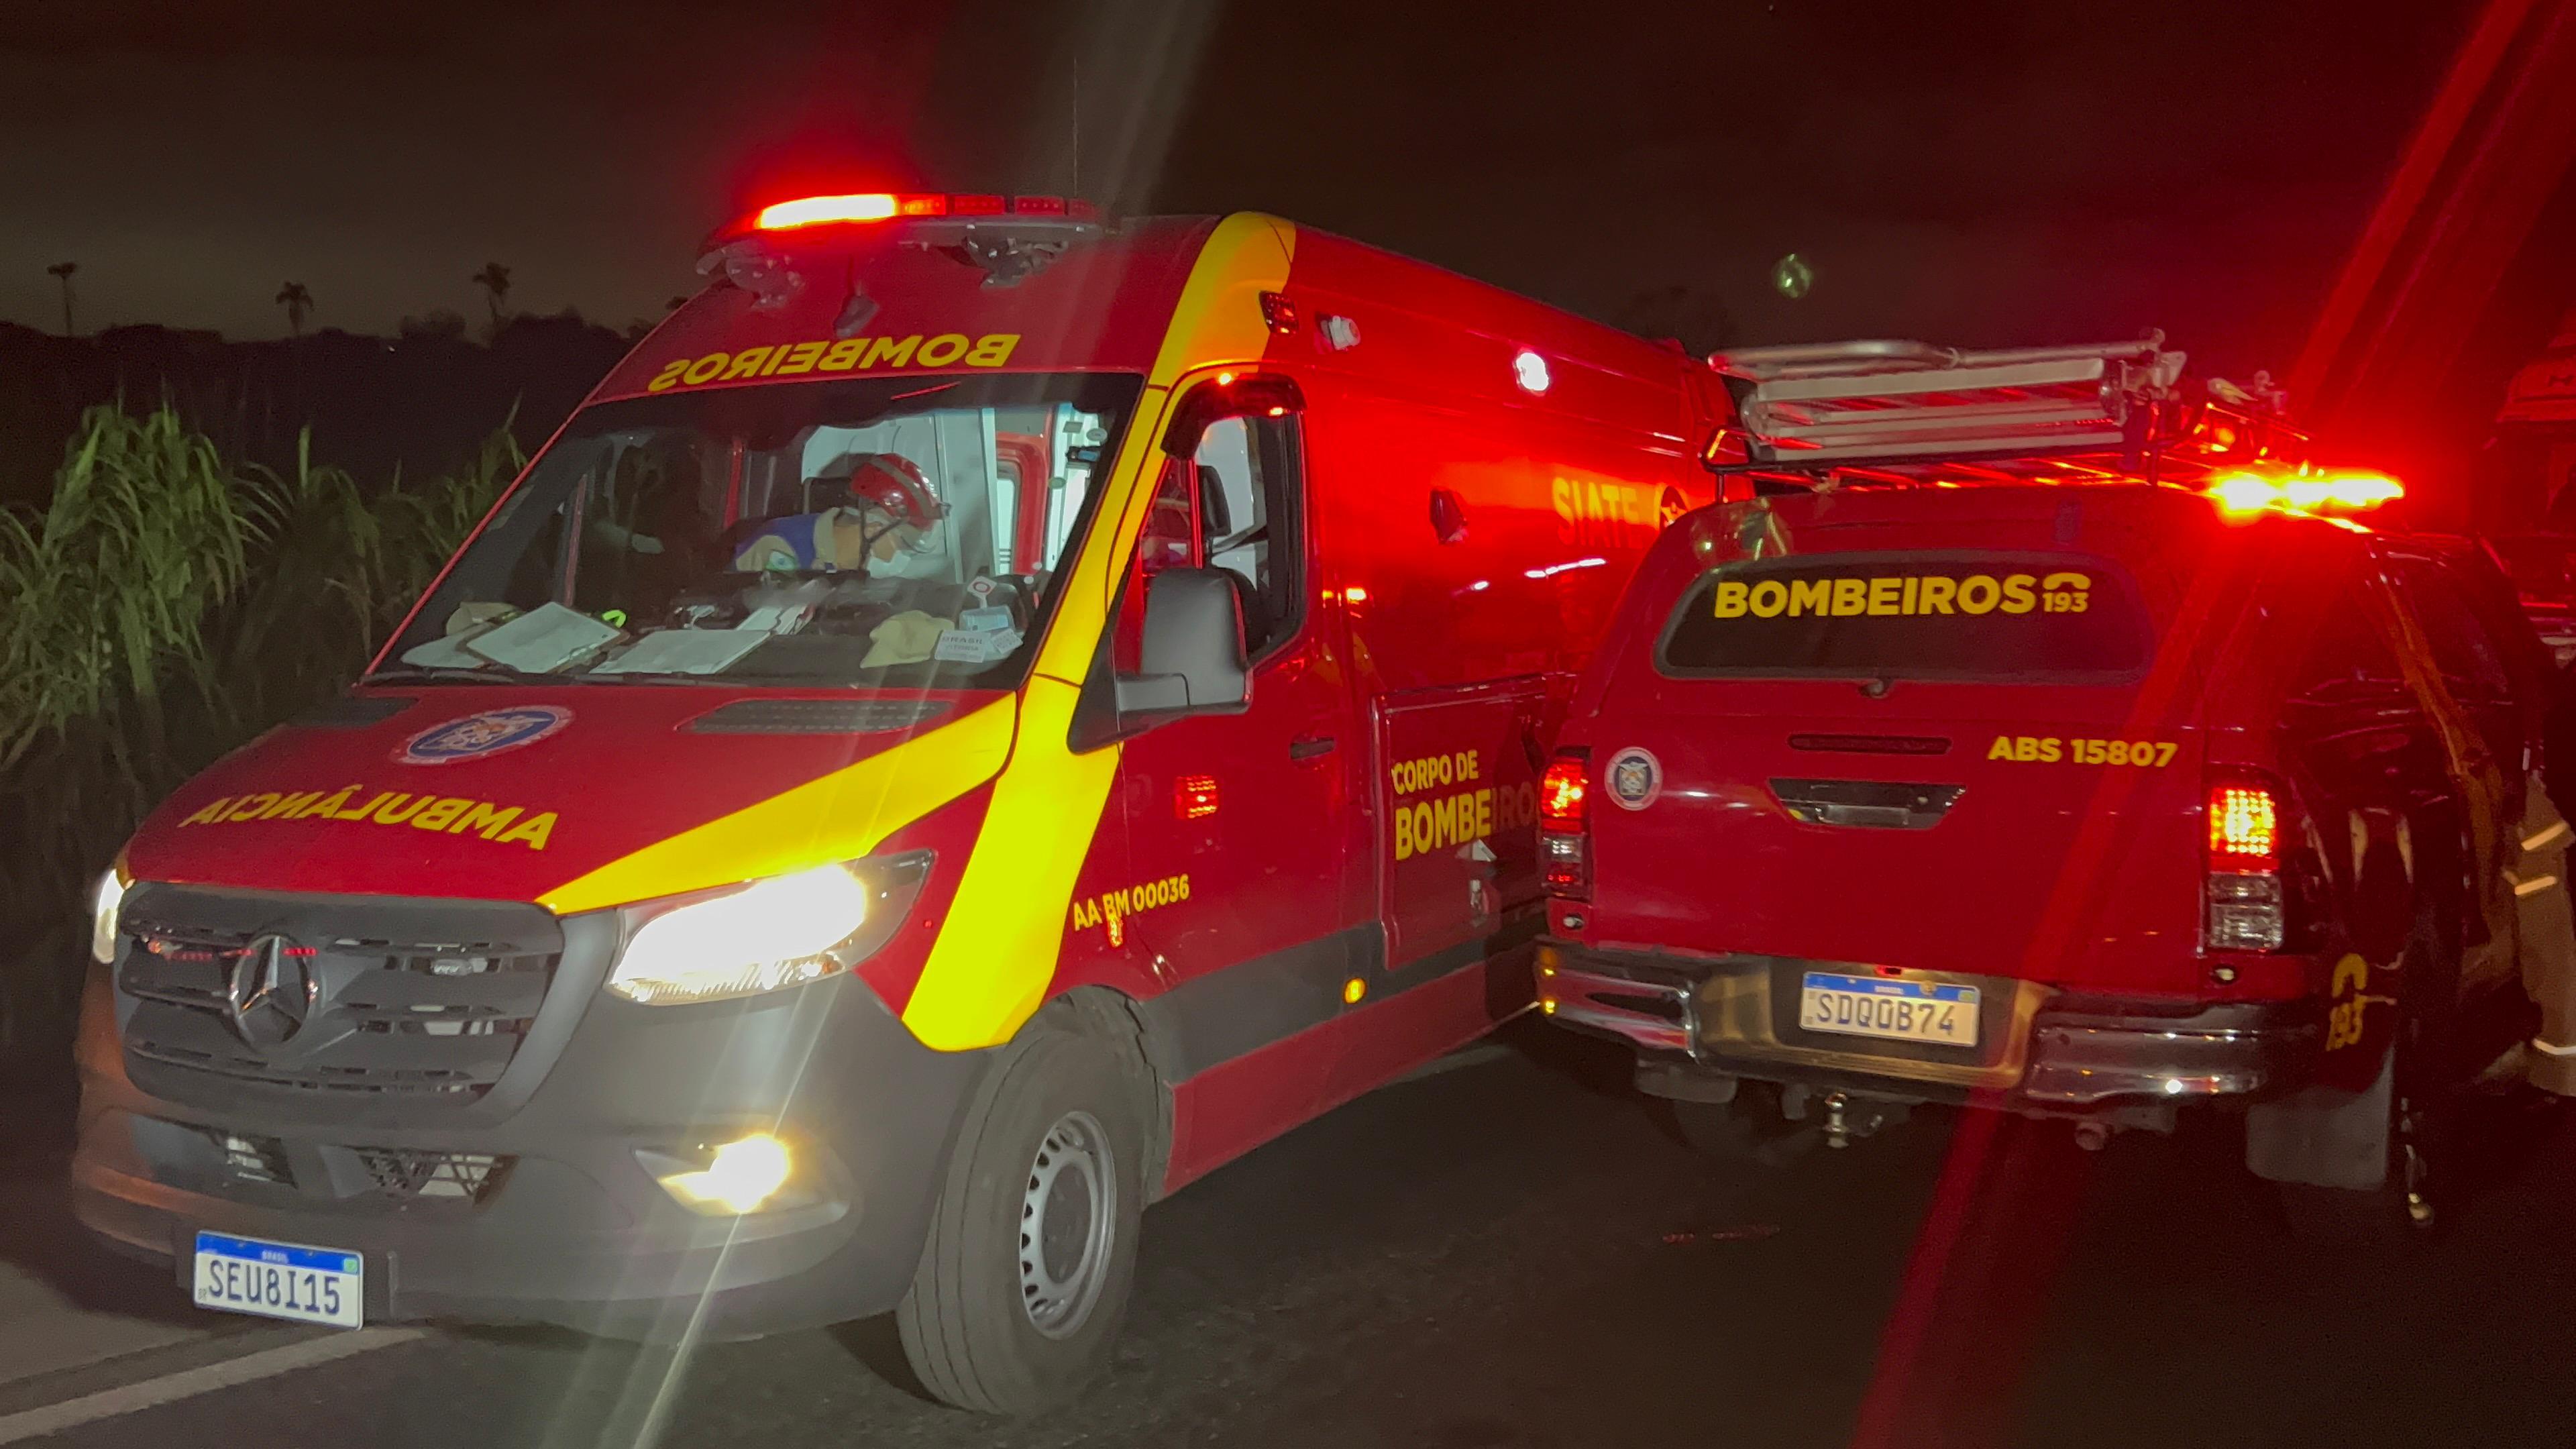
[2092,799]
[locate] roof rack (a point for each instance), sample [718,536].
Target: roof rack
[1879,404]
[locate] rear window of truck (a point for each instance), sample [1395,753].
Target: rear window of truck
[2046,618]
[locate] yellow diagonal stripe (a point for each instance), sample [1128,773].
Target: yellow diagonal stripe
[839,816]
[997,953]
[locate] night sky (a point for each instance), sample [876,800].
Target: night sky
[1973,172]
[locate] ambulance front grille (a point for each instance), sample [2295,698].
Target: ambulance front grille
[470,1176]
[350,996]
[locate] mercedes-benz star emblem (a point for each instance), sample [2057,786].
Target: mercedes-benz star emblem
[269,992]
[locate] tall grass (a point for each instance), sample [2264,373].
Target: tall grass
[166,606]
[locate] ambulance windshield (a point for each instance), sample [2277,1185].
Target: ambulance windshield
[887,532]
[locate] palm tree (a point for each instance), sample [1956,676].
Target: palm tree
[64,270]
[297,302]
[495,279]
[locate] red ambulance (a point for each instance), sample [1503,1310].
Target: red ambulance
[2035,743]
[985,716]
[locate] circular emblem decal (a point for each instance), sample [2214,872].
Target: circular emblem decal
[477,735]
[1635,778]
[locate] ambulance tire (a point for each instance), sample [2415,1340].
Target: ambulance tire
[1032,1249]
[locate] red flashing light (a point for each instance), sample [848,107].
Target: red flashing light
[2305,492]
[1071,208]
[1194,797]
[868,206]
[855,207]
[1561,792]
[2244,828]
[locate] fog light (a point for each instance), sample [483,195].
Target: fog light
[739,1177]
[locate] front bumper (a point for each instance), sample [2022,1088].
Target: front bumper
[573,1229]
[2039,1049]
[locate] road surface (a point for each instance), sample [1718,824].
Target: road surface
[1507,1251]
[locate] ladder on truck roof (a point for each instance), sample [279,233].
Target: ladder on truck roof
[1894,408]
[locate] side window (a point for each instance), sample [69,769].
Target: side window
[1250,522]
[2347,660]
[2471,662]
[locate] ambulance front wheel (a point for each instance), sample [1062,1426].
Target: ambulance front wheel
[1032,1246]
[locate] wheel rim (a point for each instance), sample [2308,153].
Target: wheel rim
[1068,1215]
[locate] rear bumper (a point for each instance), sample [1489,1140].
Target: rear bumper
[2040,1050]
[575,1230]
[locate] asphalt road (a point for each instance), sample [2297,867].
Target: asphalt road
[1511,1252]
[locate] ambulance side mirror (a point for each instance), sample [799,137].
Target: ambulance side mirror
[1190,660]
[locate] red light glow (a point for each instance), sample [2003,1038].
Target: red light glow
[2244,828]
[1194,797]
[2305,492]
[1560,795]
[858,206]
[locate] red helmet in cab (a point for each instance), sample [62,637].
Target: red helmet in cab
[893,485]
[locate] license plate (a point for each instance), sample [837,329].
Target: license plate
[281,1280]
[1894,1010]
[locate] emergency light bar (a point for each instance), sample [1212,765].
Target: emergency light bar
[1848,404]
[1009,237]
[2305,491]
[870,206]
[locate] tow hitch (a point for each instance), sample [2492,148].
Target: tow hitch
[1846,1115]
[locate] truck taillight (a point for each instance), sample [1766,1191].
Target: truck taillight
[1561,791]
[2244,827]
[2243,895]
[1564,846]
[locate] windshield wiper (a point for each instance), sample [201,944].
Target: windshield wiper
[486,674]
[656,676]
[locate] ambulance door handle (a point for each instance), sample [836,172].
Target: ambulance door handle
[1311,747]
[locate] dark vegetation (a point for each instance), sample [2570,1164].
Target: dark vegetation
[197,540]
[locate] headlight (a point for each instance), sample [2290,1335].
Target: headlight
[774,933]
[105,901]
